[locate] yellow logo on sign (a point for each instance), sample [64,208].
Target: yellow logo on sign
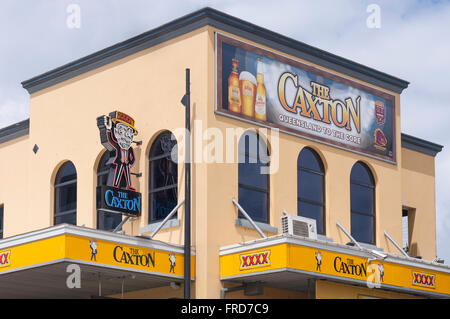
[5,258]
[255,260]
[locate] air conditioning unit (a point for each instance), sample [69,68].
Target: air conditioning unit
[299,226]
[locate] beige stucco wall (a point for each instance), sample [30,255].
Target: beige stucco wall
[149,85]
[15,185]
[419,197]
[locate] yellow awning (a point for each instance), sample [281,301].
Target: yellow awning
[34,265]
[285,261]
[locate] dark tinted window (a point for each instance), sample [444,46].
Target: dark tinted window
[361,174]
[253,188]
[163,177]
[362,201]
[66,195]
[106,220]
[311,188]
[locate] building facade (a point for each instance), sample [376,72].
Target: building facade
[327,136]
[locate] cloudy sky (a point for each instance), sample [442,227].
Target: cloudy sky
[412,43]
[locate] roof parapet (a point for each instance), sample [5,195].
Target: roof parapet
[225,22]
[15,130]
[419,145]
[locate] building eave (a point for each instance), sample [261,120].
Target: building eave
[225,22]
[420,145]
[14,131]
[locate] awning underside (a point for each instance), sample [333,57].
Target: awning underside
[293,280]
[50,281]
[282,279]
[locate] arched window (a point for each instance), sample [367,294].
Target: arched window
[311,188]
[163,178]
[66,195]
[253,171]
[106,220]
[362,198]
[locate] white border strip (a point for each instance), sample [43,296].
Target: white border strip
[65,229]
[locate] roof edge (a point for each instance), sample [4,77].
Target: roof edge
[15,130]
[220,20]
[420,145]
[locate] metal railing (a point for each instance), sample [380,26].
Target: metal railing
[249,218]
[378,255]
[348,235]
[396,245]
[121,224]
[166,219]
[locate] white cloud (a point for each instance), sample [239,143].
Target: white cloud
[13,111]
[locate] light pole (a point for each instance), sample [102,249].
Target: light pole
[187,205]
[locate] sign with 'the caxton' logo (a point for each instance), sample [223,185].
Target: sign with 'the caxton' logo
[133,256]
[254,260]
[119,200]
[349,267]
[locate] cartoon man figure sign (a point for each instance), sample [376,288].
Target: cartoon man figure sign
[93,245]
[318,259]
[172,259]
[116,133]
[381,269]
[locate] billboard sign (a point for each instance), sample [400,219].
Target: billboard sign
[271,90]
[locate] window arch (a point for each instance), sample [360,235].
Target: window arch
[66,195]
[163,177]
[311,187]
[362,201]
[253,176]
[106,220]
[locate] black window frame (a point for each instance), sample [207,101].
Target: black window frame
[152,160]
[103,170]
[266,190]
[58,186]
[353,211]
[321,173]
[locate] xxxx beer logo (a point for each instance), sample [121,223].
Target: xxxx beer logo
[255,260]
[5,258]
[424,280]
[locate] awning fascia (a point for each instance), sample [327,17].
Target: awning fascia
[395,265]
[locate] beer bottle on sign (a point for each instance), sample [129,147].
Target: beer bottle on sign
[260,103]
[248,93]
[234,93]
